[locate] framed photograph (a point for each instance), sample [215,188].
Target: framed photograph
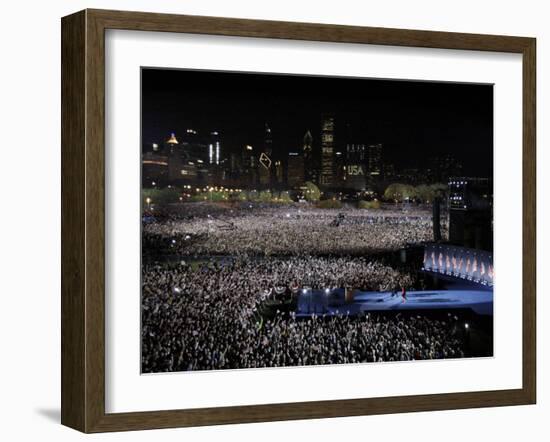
[267,221]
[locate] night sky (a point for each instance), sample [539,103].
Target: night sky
[413,120]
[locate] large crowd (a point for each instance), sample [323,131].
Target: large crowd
[280,231]
[206,316]
[203,310]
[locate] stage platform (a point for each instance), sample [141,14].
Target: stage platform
[319,302]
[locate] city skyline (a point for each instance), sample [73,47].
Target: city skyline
[412,120]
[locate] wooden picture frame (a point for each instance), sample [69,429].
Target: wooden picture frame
[83,218]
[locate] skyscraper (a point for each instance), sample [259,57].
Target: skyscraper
[171,143]
[278,171]
[310,165]
[354,172]
[375,160]
[268,141]
[266,167]
[180,166]
[327,150]
[296,169]
[471,212]
[214,148]
[249,171]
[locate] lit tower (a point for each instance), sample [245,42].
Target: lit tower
[175,159]
[308,155]
[268,141]
[171,143]
[327,150]
[375,162]
[266,171]
[249,166]
[214,149]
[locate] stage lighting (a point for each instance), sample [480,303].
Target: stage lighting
[466,326]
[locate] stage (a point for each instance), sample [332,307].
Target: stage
[323,302]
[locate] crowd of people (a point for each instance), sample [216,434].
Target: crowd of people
[203,309]
[297,232]
[207,316]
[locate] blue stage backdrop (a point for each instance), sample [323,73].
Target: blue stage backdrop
[460,262]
